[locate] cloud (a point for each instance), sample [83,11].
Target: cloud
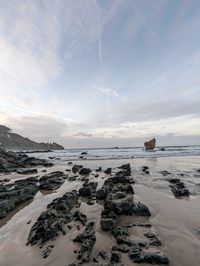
[83,135]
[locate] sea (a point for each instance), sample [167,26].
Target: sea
[66,155]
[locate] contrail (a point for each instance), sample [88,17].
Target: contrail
[100,39]
[133,5]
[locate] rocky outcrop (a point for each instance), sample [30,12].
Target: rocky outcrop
[13,141]
[51,222]
[11,162]
[52,180]
[150,145]
[12,195]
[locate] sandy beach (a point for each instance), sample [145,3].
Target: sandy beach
[174,220]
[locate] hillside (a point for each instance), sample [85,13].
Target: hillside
[13,141]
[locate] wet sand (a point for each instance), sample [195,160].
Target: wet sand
[176,221]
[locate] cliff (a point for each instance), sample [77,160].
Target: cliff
[13,141]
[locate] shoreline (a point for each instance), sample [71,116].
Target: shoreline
[176,221]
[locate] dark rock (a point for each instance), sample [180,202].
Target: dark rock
[78,216]
[44,171]
[162,149]
[138,256]
[87,240]
[84,153]
[13,195]
[100,255]
[126,168]
[76,168]
[115,257]
[174,180]
[72,178]
[12,161]
[85,171]
[178,188]
[153,238]
[27,171]
[99,169]
[165,173]
[52,221]
[108,171]
[88,189]
[140,209]
[52,180]
[69,163]
[156,258]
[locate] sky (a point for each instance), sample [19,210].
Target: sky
[98,73]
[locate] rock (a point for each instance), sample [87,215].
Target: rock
[69,163]
[137,255]
[78,216]
[162,149]
[99,169]
[51,222]
[150,145]
[115,257]
[126,168]
[153,239]
[120,203]
[87,240]
[44,171]
[88,189]
[165,173]
[27,171]
[13,161]
[12,195]
[174,180]
[76,168]
[108,223]
[52,180]
[84,153]
[100,255]
[72,178]
[85,171]
[140,209]
[108,171]
[156,258]
[179,189]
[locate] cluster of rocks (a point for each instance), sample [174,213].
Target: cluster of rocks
[136,248]
[117,194]
[12,195]
[12,161]
[145,169]
[178,188]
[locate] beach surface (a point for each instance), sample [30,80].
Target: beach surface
[175,220]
